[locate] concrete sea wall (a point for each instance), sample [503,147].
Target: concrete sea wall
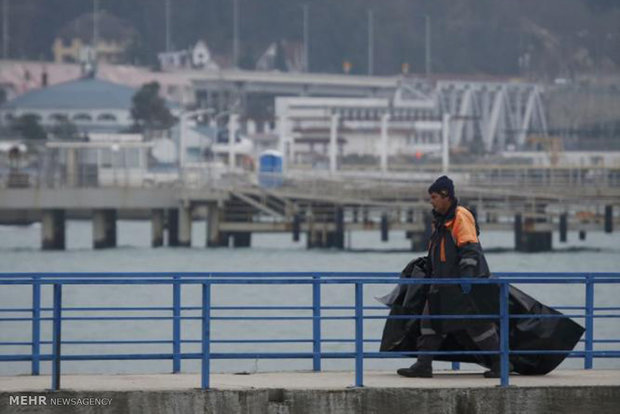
[574,400]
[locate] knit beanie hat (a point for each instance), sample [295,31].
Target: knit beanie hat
[444,186]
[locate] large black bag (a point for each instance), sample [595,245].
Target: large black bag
[535,333]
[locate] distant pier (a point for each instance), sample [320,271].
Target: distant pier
[322,208]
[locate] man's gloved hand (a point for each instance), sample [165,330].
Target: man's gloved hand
[467,272]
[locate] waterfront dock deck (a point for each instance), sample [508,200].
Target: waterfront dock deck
[306,380]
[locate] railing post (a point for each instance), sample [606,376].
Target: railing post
[503,333]
[206,334]
[589,321]
[359,334]
[176,325]
[36,324]
[316,322]
[56,340]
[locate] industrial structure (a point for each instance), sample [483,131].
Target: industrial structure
[419,118]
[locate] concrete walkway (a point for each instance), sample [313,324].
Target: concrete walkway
[305,380]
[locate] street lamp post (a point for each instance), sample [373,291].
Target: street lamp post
[371,43]
[427,44]
[428,65]
[236,34]
[305,36]
[95,25]
[5,29]
[445,144]
[167,24]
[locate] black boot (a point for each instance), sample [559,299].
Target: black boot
[486,339]
[423,368]
[496,369]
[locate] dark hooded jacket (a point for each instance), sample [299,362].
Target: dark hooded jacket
[455,251]
[555,333]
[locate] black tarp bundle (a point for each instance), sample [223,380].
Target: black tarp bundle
[535,333]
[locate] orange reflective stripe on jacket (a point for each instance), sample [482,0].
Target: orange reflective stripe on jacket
[442,250]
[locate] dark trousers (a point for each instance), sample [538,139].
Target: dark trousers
[484,336]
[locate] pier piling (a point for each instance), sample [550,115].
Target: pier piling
[384,227]
[53,229]
[532,236]
[409,219]
[172,225]
[214,236]
[104,228]
[185,226]
[419,239]
[157,227]
[563,227]
[609,219]
[296,227]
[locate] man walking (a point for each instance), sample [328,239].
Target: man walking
[454,251]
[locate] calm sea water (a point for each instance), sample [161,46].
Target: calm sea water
[20,252]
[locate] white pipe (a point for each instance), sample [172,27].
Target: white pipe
[385,118]
[333,143]
[182,126]
[233,126]
[282,132]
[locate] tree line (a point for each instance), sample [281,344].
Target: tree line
[541,39]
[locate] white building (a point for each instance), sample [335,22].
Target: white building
[197,57]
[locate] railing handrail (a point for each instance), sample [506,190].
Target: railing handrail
[239,280]
[316,279]
[319,274]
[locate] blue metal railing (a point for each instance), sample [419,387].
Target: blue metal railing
[316,280]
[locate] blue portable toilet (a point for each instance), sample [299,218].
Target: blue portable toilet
[270,169]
